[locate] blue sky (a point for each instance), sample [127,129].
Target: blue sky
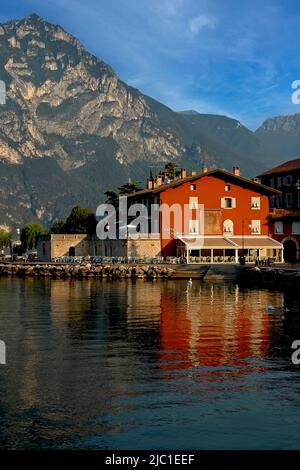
[237,58]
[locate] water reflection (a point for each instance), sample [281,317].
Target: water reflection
[213,325]
[95,365]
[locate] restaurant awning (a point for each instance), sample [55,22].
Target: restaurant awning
[256,242]
[197,243]
[200,242]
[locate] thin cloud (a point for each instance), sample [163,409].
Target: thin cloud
[200,22]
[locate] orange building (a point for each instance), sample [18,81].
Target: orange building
[213,216]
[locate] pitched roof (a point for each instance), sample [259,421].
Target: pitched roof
[291,165]
[261,188]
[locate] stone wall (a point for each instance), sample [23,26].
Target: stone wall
[58,245]
[44,249]
[143,247]
[61,244]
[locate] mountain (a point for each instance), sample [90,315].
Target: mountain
[71,129]
[229,140]
[280,136]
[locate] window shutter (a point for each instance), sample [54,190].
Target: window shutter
[222,202]
[233,201]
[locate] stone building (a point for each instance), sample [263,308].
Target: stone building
[58,245]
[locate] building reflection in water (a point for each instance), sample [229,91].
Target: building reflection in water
[213,325]
[82,355]
[203,325]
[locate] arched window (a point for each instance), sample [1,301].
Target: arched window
[228,227]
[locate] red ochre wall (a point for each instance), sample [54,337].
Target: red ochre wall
[209,191]
[287,232]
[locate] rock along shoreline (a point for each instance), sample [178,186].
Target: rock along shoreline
[269,278]
[87,271]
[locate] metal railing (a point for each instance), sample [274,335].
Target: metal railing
[118,260]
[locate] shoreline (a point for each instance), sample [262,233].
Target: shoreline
[87,271]
[121,271]
[245,276]
[271,278]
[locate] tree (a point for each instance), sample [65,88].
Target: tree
[172,170]
[30,234]
[59,227]
[129,187]
[5,239]
[112,197]
[81,220]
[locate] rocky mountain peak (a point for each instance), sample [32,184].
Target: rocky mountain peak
[70,128]
[286,124]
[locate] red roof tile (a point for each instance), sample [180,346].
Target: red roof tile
[283,168]
[214,172]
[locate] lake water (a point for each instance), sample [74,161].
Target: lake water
[104,365]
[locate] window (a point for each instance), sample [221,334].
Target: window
[255,227]
[288,199]
[193,226]
[272,202]
[288,180]
[296,228]
[278,202]
[228,202]
[228,227]
[193,202]
[255,202]
[227,187]
[193,187]
[44,249]
[272,183]
[278,226]
[279,182]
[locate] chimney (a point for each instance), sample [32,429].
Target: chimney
[158,181]
[183,173]
[236,170]
[194,173]
[204,169]
[150,183]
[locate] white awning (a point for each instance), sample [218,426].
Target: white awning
[219,242]
[256,242]
[198,243]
